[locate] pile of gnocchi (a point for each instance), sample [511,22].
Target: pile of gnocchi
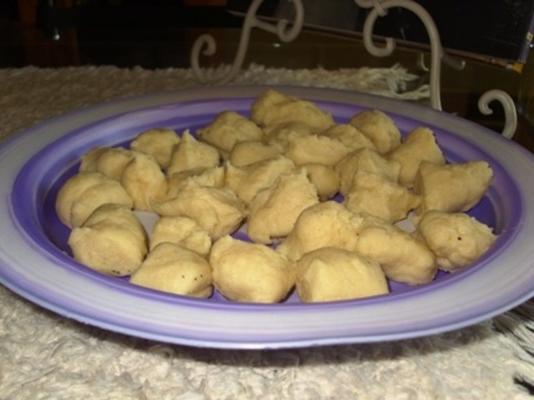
[320,203]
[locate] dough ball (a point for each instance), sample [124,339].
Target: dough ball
[274,211]
[111,241]
[278,135]
[88,160]
[457,239]
[228,129]
[327,224]
[83,193]
[72,190]
[274,108]
[217,210]
[175,269]
[379,128]
[211,177]
[183,231]
[351,137]
[109,161]
[378,196]
[144,181]
[106,192]
[420,145]
[451,187]
[249,272]
[324,178]
[331,274]
[157,142]
[247,181]
[365,160]
[315,149]
[403,257]
[265,103]
[191,153]
[250,152]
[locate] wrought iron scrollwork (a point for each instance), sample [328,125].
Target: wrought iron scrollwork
[437,56]
[206,44]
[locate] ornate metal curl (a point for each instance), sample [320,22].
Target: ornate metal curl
[510,113]
[379,8]
[437,55]
[206,43]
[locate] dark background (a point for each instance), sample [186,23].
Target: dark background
[490,34]
[487,28]
[158,33]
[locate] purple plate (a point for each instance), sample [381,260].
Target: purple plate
[35,263]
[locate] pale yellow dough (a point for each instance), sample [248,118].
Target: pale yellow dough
[317,149]
[228,129]
[451,187]
[403,257]
[420,145]
[111,241]
[247,181]
[380,197]
[278,136]
[144,181]
[365,160]
[175,269]
[183,231]
[217,210]
[330,274]
[191,153]
[456,239]
[249,272]
[81,194]
[109,161]
[379,128]
[274,108]
[351,137]
[324,178]
[157,142]
[327,224]
[274,211]
[275,173]
[211,177]
[250,152]
[88,160]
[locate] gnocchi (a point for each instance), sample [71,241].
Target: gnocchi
[319,201]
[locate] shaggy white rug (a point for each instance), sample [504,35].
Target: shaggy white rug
[44,356]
